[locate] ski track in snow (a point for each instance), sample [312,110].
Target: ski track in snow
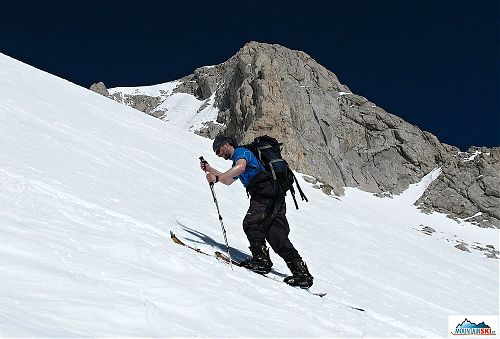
[89,190]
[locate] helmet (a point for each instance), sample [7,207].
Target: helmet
[222,140]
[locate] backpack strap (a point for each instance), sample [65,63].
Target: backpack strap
[258,159]
[292,191]
[302,195]
[272,168]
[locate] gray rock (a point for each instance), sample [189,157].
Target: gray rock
[310,180]
[209,130]
[100,88]
[462,247]
[140,102]
[202,83]
[489,250]
[384,195]
[468,188]
[428,230]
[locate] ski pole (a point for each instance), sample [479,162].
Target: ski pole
[220,217]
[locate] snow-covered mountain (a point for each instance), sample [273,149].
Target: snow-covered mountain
[90,188]
[329,132]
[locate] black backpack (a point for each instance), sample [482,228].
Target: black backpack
[268,151]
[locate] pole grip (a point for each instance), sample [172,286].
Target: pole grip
[204,162]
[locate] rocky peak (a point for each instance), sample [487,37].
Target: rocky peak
[341,138]
[332,134]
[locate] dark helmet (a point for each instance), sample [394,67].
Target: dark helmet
[222,140]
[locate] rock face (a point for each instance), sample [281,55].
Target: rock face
[336,136]
[341,138]
[468,188]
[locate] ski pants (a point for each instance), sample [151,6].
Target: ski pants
[266,220]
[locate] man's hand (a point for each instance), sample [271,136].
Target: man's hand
[205,166]
[228,177]
[211,178]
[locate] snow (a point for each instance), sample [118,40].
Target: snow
[471,156]
[90,189]
[184,111]
[153,90]
[181,109]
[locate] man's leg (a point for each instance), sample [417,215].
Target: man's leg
[252,225]
[277,234]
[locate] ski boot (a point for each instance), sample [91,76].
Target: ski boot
[301,276]
[260,262]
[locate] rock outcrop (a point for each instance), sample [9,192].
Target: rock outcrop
[100,88]
[140,102]
[468,188]
[341,138]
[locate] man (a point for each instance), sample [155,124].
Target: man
[265,219]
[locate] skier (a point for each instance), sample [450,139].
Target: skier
[265,219]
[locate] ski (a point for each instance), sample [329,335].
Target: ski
[180,242]
[222,257]
[225,259]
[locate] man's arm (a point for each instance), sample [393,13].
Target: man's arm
[212,170]
[227,177]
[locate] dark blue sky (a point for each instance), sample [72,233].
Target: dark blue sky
[433,63]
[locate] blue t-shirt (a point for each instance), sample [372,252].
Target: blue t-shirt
[253,164]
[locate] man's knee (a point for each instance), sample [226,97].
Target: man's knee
[253,219]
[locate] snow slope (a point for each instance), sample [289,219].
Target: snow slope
[181,109]
[89,190]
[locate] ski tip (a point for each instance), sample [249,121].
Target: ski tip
[173,236]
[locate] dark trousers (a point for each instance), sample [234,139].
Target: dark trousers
[266,220]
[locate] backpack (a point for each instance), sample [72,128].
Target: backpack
[268,151]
